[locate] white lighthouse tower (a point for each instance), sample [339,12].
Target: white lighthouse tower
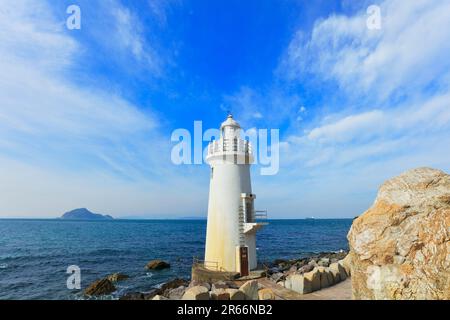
[232,226]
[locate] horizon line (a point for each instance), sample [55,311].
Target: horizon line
[160,218]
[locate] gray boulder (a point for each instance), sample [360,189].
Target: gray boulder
[235,294]
[196,293]
[250,290]
[177,293]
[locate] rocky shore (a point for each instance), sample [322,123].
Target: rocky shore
[311,274]
[398,250]
[302,275]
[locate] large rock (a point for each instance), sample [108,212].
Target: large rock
[324,262]
[306,268]
[250,290]
[176,294]
[220,294]
[157,265]
[139,295]
[173,289]
[133,296]
[219,285]
[196,293]
[194,283]
[235,294]
[172,284]
[399,248]
[100,287]
[313,263]
[293,269]
[266,294]
[277,276]
[115,277]
[346,263]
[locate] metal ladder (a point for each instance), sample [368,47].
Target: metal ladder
[241,226]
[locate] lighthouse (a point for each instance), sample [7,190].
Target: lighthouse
[232,220]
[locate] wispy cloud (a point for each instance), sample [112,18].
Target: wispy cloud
[263,109]
[159,8]
[63,144]
[128,34]
[408,53]
[393,112]
[347,128]
[378,105]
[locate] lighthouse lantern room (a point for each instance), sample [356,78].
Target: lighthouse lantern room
[232,219]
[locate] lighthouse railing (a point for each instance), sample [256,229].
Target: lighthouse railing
[206,264]
[230,145]
[260,215]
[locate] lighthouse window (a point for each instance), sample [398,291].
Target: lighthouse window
[212,173]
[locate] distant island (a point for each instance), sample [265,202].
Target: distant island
[84,214]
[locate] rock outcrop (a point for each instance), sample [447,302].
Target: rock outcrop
[236,294]
[301,275]
[399,248]
[115,277]
[157,265]
[176,293]
[196,293]
[250,290]
[136,296]
[173,289]
[266,294]
[220,294]
[100,287]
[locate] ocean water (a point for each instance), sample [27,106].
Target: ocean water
[35,254]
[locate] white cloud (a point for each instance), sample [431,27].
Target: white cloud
[409,53]
[375,132]
[63,145]
[128,34]
[28,32]
[349,127]
[257,115]
[37,100]
[160,8]
[391,114]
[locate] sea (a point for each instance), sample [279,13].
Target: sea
[35,254]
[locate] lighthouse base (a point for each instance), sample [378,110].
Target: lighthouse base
[202,274]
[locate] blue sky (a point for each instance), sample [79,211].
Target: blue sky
[86,115]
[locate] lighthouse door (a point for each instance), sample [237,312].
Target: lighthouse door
[243,255]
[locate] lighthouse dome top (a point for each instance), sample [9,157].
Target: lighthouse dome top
[230,122]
